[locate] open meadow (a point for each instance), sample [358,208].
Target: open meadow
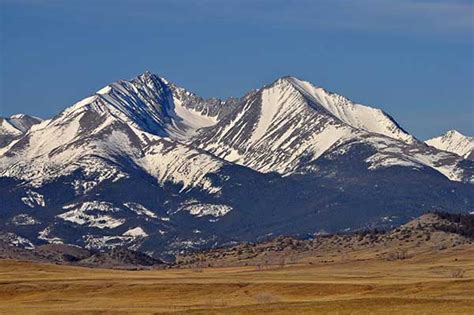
[438,283]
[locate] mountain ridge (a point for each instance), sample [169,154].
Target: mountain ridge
[147,155]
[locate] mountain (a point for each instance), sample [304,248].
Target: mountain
[288,125]
[148,165]
[455,142]
[13,127]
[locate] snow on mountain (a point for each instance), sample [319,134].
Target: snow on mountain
[391,152]
[33,199]
[356,115]
[140,209]
[273,129]
[45,235]
[159,126]
[290,123]
[6,128]
[136,232]
[455,142]
[143,163]
[16,240]
[23,122]
[24,219]
[134,118]
[90,214]
[14,126]
[200,210]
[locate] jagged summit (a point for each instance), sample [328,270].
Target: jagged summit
[159,102]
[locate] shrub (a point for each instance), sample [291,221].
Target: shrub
[399,254]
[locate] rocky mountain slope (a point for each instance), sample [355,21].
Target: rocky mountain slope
[455,142]
[148,165]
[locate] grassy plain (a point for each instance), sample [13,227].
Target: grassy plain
[430,283]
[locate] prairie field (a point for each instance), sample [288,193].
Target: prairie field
[429,283]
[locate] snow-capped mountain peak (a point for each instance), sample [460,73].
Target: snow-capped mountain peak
[356,115]
[275,128]
[455,142]
[137,119]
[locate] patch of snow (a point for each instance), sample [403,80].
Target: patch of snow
[44,235]
[24,219]
[33,199]
[180,164]
[192,119]
[83,186]
[16,240]
[206,209]
[110,241]
[140,210]
[136,232]
[104,90]
[89,214]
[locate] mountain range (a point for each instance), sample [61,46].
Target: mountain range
[147,165]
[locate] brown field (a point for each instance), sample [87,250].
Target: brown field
[428,283]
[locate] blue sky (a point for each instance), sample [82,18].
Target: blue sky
[414,59]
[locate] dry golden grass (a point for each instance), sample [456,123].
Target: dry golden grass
[429,283]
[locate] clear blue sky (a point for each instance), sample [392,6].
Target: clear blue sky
[414,59]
